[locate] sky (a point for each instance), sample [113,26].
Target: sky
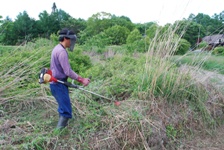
[139,11]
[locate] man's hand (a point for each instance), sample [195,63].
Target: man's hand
[84,81]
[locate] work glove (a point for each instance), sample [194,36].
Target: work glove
[84,81]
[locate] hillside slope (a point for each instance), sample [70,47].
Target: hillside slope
[213,140]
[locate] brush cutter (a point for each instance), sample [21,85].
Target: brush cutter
[46,76]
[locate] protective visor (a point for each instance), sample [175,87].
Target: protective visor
[72,40]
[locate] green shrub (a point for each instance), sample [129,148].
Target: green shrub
[218,51]
[78,61]
[54,38]
[137,46]
[202,45]
[135,35]
[117,34]
[136,42]
[119,73]
[183,47]
[100,40]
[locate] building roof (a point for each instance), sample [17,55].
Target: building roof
[213,39]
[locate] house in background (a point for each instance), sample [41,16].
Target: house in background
[214,41]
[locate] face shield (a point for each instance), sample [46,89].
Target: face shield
[72,42]
[72,38]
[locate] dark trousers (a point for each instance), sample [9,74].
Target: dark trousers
[61,94]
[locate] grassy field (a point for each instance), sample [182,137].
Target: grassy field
[161,106]
[203,60]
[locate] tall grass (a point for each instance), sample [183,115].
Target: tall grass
[161,76]
[18,71]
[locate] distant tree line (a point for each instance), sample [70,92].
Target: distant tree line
[108,28]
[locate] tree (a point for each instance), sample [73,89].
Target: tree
[61,15]
[24,27]
[8,36]
[48,24]
[143,27]
[0,19]
[190,31]
[135,35]
[151,31]
[98,23]
[77,25]
[117,34]
[136,42]
[221,16]
[211,25]
[102,21]
[122,21]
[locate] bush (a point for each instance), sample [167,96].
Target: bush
[100,40]
[137,46]
[136,42]
[202,45]
[54,38]
[117,34]
[135,35]
[183,47]
[218,51]
[78,61]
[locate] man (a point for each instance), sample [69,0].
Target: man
[61,70]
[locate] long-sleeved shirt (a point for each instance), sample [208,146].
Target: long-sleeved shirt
[60,66]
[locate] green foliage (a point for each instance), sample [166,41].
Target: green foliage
[151,31]
[117,34]
[122,74]
[171,132]
[212,63]
[8,36]
[183,47]
[143,27]
[133,36]
[48,24]
[136,42]
[218,51]
[6,49]
[189,30]
[25,27]
[138,46]
[77,25]
[100,40]
[202,45]
[102,21]
[78,61]
[54,38]
[209,24]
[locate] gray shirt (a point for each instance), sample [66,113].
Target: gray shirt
[60,66]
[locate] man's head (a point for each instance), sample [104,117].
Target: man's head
[67,38]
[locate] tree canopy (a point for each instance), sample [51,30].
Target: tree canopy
[114,29]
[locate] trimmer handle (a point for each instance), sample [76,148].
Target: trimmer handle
[71,85]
